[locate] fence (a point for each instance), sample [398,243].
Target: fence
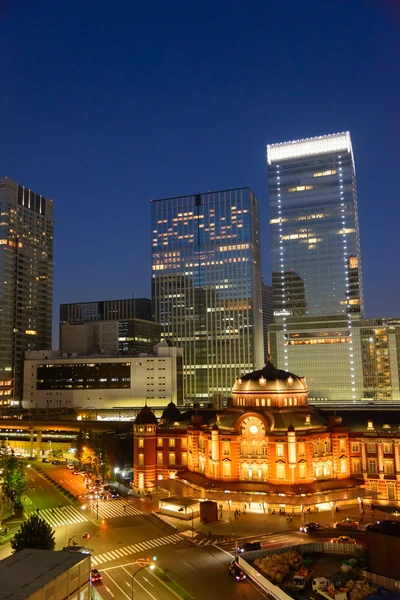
[247,559]
[392,585]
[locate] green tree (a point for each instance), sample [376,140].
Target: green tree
[57,453]
[14,479]
[34,533]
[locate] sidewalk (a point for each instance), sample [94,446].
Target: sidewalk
[257,523]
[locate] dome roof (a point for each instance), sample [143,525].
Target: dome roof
[171,413]
[269,379]
[146,417]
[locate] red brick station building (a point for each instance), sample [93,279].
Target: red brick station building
[269,449]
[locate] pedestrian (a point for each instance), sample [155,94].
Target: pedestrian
[125,508]
[37,510]
[59,505]
[361,519]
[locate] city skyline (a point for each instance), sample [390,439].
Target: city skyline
[154,120]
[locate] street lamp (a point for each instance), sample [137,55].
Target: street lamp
[84,536]
[181,509]
[143,563]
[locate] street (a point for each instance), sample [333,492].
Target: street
[126,530]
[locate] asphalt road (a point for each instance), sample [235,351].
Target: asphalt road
[120,540]
[118,581]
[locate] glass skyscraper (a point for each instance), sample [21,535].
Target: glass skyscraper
[26,282]
[314,227]
[316,264]
[206,284]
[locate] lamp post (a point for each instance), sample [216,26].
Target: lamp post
[181,509]
[143,563]
[84,536]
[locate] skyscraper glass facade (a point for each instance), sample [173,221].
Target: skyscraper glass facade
[26,281]
[206,278]
[314,227]
[317,285]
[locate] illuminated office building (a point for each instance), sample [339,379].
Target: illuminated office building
[26,282]
[206,281]
[314,227]
[316,263]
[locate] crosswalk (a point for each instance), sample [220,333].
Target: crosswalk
[111,509]
[135,548]
[64,515]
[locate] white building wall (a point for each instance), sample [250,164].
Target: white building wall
[153,381]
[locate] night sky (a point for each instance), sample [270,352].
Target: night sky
[106,105]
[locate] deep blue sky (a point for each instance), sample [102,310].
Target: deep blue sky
[104,106]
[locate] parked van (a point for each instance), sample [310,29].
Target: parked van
[319,583]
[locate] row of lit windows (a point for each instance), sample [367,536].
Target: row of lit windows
[324,341]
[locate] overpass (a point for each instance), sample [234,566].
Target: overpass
[36,427]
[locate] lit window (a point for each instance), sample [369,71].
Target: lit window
[226,468]
[279,450]
[280,471]
[171,442]
[302,450]
[325,173]
[141,443]
[302,470]
[141,459]
[171,458]
[184,459]
[184,443]
[159,458]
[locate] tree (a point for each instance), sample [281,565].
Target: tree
[15,480]
[57,453]
[34,533]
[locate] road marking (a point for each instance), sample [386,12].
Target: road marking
[109,591]
[116,584]
[149,582]
[142,586]
[136,548]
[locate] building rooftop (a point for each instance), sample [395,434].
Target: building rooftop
[25,572]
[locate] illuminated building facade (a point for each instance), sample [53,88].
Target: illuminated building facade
[206,284]
[316,263]
[268,312]
[314,227]
[103,381]
[270,448]
[26,282]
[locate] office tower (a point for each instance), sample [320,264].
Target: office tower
[267,311]
[314,227]
[106,310]
[26,282]
[207,286]
[111,326]
[316,263]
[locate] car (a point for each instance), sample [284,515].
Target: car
[95,576]
[75,472]
[70,467]
[249,546]
[343,539]
[45,460]
[309,526]
[55,462]
[347,523]
[236,571]
[112,491]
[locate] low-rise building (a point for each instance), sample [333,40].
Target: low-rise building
[269,448]
[45,575]
[103,381]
